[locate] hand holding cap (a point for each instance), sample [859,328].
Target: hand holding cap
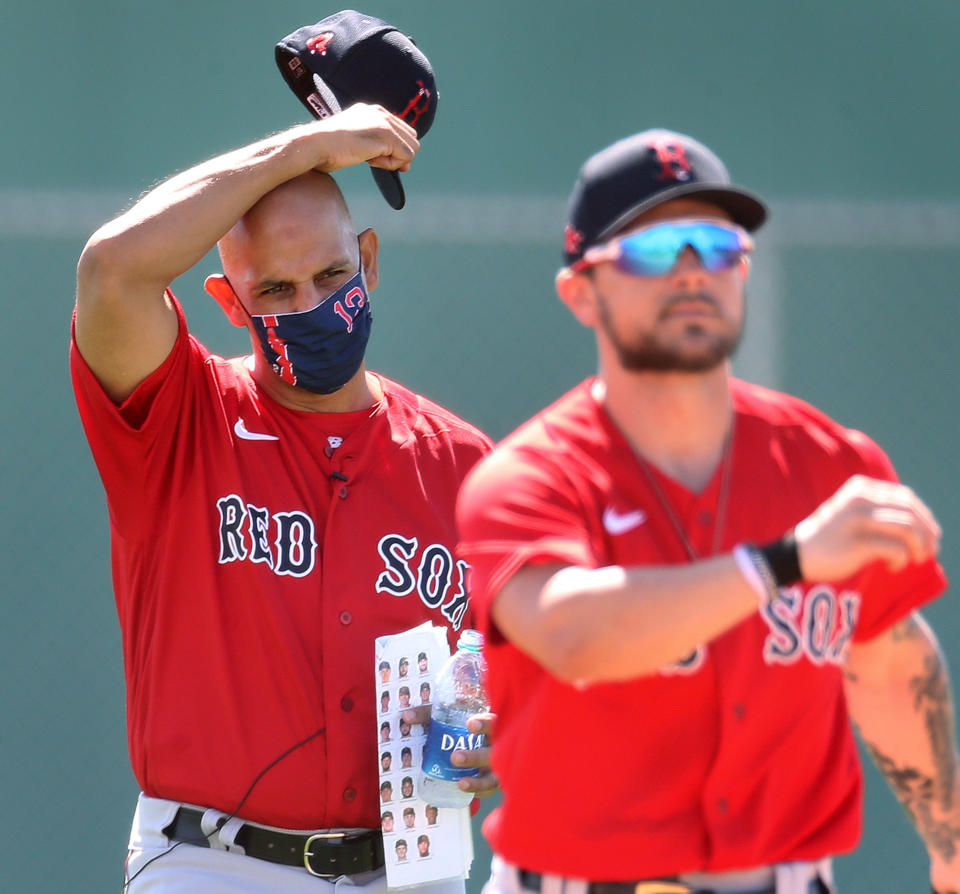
[351,57]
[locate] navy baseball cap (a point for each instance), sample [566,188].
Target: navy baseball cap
[351,57]
[642,171]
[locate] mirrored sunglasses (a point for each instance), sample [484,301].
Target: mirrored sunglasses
[655,250]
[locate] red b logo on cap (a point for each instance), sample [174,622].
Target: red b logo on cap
[572,238]
[673,161]
[417,106]
[319,43]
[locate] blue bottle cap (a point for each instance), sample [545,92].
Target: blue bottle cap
[470,641]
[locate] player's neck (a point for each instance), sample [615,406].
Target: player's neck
[679,422]
[362,391]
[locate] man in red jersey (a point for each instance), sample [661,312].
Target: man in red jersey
[270,515]
[714,578]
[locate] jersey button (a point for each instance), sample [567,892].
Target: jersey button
[722,805]
[739,711]
[705,518]
[346,703]
[349,794]
[343,492]
[345,618]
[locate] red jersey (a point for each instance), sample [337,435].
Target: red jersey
[742,754]
[258,551]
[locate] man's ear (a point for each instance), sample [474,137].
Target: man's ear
[219,288]
[369,257]
[577,291]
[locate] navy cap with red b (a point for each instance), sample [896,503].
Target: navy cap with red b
[642,171]
[351,57]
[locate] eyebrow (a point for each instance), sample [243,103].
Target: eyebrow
[334,267]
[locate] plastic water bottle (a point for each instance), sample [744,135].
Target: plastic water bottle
[458,694]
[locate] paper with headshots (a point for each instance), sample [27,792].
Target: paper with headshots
[421,843]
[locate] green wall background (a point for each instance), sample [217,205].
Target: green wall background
[842,113]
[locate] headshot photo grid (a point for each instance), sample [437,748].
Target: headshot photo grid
[421,842]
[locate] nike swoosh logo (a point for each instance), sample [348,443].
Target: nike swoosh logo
[619,523]
[240,430]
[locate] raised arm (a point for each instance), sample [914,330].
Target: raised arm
[614,623]
[125,326]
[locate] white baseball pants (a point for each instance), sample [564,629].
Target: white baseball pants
[187,869]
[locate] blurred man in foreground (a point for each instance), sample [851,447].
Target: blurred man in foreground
[712,577]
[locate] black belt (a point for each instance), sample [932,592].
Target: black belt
[326,854]
[533,881]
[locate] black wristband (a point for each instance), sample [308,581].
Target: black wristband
[783,560]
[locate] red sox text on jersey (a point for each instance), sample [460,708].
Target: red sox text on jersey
[287,543]
[818,628]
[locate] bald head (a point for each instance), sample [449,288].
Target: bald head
[302,221]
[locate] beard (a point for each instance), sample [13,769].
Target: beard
[696,350]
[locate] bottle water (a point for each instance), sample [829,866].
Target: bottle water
[458,694]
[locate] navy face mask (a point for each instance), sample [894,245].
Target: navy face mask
[319,349]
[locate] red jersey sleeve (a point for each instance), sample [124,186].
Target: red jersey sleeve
[133,443]
[889,596]
[515,509]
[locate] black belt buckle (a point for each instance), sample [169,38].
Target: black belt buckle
[663,886]
[307,853]
[332,854]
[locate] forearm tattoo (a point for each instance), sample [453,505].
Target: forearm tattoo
[921,793]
